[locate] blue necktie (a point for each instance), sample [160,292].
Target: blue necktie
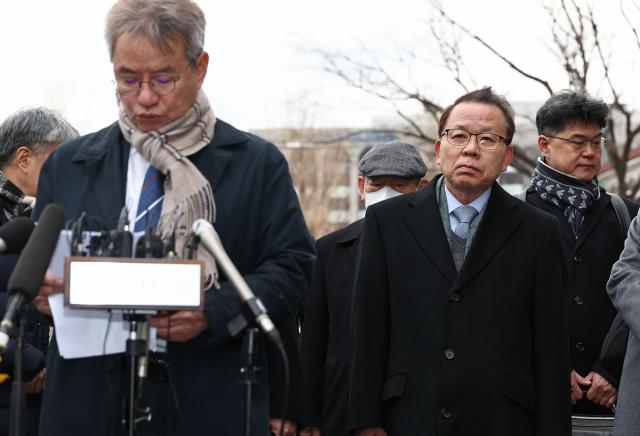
[465,214]
[150,204]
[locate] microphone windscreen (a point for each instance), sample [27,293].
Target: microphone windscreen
[34,260]
[15,234]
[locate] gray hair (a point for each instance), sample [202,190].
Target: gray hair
[36,128]
[160,21]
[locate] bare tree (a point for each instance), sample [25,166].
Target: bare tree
[578,42]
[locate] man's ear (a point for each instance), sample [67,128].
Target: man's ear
[202,65]
[436,150]
[361,187]
[422,183]
[543,145]
[24,158]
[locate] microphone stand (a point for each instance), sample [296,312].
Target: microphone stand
[249,371]
[137,355]
[18,396]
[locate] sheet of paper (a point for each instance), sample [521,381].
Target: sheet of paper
[81,332]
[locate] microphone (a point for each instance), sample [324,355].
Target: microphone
[211,241]
[121,238]
[14,234]
[26,278]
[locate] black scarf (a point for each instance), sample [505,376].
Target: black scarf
[570,194]
[13,200]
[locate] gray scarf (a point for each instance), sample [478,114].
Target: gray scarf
[13,200]
[188,195]
[569,194]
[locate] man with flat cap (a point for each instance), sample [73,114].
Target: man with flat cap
[386,170]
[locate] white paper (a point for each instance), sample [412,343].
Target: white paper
[82,332]
[139,284]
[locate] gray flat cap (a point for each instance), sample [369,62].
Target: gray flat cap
[392,159]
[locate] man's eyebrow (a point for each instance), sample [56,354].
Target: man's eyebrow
[126,70]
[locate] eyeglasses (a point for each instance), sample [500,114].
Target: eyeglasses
[161,84]
[579,143]
[460,138]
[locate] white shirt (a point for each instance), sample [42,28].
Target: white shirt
[136,170]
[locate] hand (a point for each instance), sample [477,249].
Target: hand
[36,384]
[179,326]
[601,391]
[310,431]
[50,285]
[290,427]
[371,431]
[577,385]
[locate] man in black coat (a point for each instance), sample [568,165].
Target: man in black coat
[167,141]
[386,170]
[458,326]
[27,137]
[570,127]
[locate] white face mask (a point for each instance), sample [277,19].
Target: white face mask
[379,195]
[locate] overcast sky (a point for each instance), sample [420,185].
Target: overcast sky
[53,53]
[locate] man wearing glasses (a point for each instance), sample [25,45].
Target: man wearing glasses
[458,324]
[171,161]
[565,184]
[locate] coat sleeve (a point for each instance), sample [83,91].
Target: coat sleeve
[283,262]
[551,339]
[624,283]
[369,335]
[614,348]
[315,337]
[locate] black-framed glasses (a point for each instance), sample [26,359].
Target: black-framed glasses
[161,84]
[579,142]
[460,138]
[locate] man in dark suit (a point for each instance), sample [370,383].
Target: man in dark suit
[27,137]
[171,161]
[565,184]
[386,170]
[458,325]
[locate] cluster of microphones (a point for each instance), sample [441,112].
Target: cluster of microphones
[36,245]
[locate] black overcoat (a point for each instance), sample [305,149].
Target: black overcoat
[325,332]
[589,260]
[482,351]
[262,229]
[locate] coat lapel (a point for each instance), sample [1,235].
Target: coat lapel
[425,224]
[497,225]
[213,160]
[106,161]
[565,230]
[351,239]
[592,217]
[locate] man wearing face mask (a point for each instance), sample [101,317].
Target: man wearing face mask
[386,170]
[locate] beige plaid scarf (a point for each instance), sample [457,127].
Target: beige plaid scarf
[188,195]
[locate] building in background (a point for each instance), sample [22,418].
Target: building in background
[323,164]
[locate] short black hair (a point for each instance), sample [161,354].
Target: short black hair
[487,96]
[569,106]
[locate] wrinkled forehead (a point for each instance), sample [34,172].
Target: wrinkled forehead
[477,117]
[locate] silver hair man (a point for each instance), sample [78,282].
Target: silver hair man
[160,22]
[26,139]
[36,128]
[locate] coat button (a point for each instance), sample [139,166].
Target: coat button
[580,346]
[577,259]
[578,300]
[445,413]
[449,354]
[455,297]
